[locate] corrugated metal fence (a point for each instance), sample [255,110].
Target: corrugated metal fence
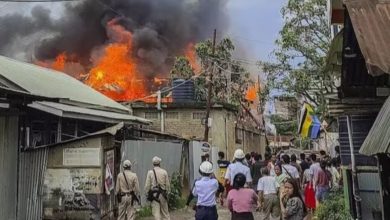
[32,167]
[140,153]
[8,166]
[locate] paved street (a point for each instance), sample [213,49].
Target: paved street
[184,214]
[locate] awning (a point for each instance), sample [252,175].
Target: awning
[378,139]
[77,112]
[371,20]
[334,56]
[110,131]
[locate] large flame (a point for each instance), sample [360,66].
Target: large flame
[114,71]
[191,56]
[115,74]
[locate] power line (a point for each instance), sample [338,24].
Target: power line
[168,89]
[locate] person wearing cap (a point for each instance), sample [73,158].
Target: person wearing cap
[127,190]
[158,178]
[205,190]
[238,167]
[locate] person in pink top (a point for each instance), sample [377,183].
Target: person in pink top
[241,201]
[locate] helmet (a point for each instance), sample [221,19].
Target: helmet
[126,164]
[156,160]
[206,167]
[239,154]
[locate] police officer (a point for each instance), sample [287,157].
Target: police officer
[158,177]
[205,190]
[127,190]
[238,167]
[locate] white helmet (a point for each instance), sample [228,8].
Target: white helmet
[126,164]
[206,167]
[239,154]
[156,160]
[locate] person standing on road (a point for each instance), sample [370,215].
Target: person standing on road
[291,203]
[238,167]
[205,190]
[157,186]
[241,201]
[290,170]
[222,165]
[127,191]
[256,171]
[322,182]
[268,197]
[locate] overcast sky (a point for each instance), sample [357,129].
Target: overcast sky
[255,24]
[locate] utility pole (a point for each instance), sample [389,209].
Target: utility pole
[210,90]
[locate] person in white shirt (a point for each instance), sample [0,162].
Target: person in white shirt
[238,167]
[289,169]
[268,198]
[314,167]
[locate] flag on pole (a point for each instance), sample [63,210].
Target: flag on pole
[309,124]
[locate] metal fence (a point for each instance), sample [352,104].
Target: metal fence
[8,166]
[140,153]
[32,167]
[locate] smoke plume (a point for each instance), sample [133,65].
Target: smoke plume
[161,29]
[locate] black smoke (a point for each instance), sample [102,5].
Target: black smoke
[161,29]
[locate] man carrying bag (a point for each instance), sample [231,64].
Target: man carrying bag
[127,192]
[157,187]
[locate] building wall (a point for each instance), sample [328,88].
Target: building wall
[73,180]
[8,166]
[286,108]
[188,123]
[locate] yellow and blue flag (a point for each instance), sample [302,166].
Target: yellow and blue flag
[309,124]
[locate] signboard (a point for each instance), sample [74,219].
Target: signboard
[86,181]
[81,156]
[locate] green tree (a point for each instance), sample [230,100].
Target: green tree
[284,126]
[302,47]
[182,68]
[230,80]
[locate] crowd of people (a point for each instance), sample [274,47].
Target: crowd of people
[279,186]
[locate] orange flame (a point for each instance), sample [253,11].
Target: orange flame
[251,92]
[116,74]
[191,56]
[59,63]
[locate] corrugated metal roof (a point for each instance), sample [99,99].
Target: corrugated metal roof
[40,81]
[378,139]
[371,21]
[76,112]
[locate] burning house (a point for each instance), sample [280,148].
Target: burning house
[123,49]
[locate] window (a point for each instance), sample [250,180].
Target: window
[198,115]
[151,115]
[172,115]
[238,134]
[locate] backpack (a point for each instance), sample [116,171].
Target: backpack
[155,192]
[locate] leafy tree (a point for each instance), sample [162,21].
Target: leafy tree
[182,68]
[230,80]
[303,45]
[283,126]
